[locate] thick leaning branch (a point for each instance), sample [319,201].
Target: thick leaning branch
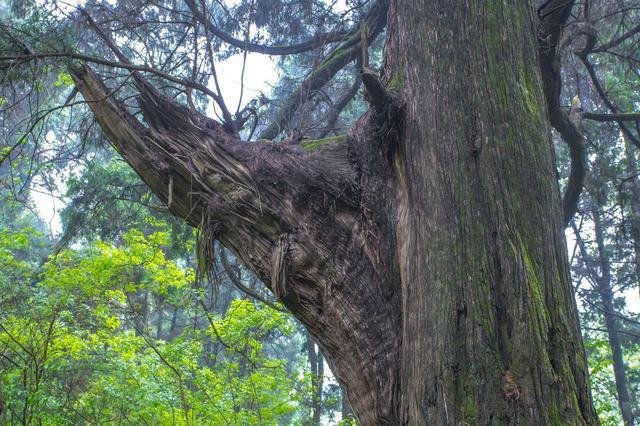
[217,183]
[219,179]
[143,147]
[294,217]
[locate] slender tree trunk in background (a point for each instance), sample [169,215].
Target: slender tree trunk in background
[611,320]
[3,408]
[159,306]
[173,327]
[423,251]
[140,310]
[316,366]
[634,186]
[317,409]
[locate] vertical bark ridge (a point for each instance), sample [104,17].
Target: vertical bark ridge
[483,301]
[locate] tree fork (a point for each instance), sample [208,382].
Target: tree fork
[434,274]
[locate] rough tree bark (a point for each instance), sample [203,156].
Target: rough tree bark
[424,250]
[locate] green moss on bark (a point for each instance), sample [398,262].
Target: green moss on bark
[396,83]
[315,144]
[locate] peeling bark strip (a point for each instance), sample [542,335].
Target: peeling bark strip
[424,250]
[279,267]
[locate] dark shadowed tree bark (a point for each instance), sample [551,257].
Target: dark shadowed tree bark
[424,250]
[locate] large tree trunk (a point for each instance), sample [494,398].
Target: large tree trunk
[424,251]
[316,366]
[490,331]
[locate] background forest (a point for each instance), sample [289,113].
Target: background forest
[113,317]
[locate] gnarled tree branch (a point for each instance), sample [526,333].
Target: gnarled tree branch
[554,15]
[346,52]
[313,43]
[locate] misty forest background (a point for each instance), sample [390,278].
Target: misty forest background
[113,318]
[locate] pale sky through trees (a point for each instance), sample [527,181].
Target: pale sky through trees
[259,74]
